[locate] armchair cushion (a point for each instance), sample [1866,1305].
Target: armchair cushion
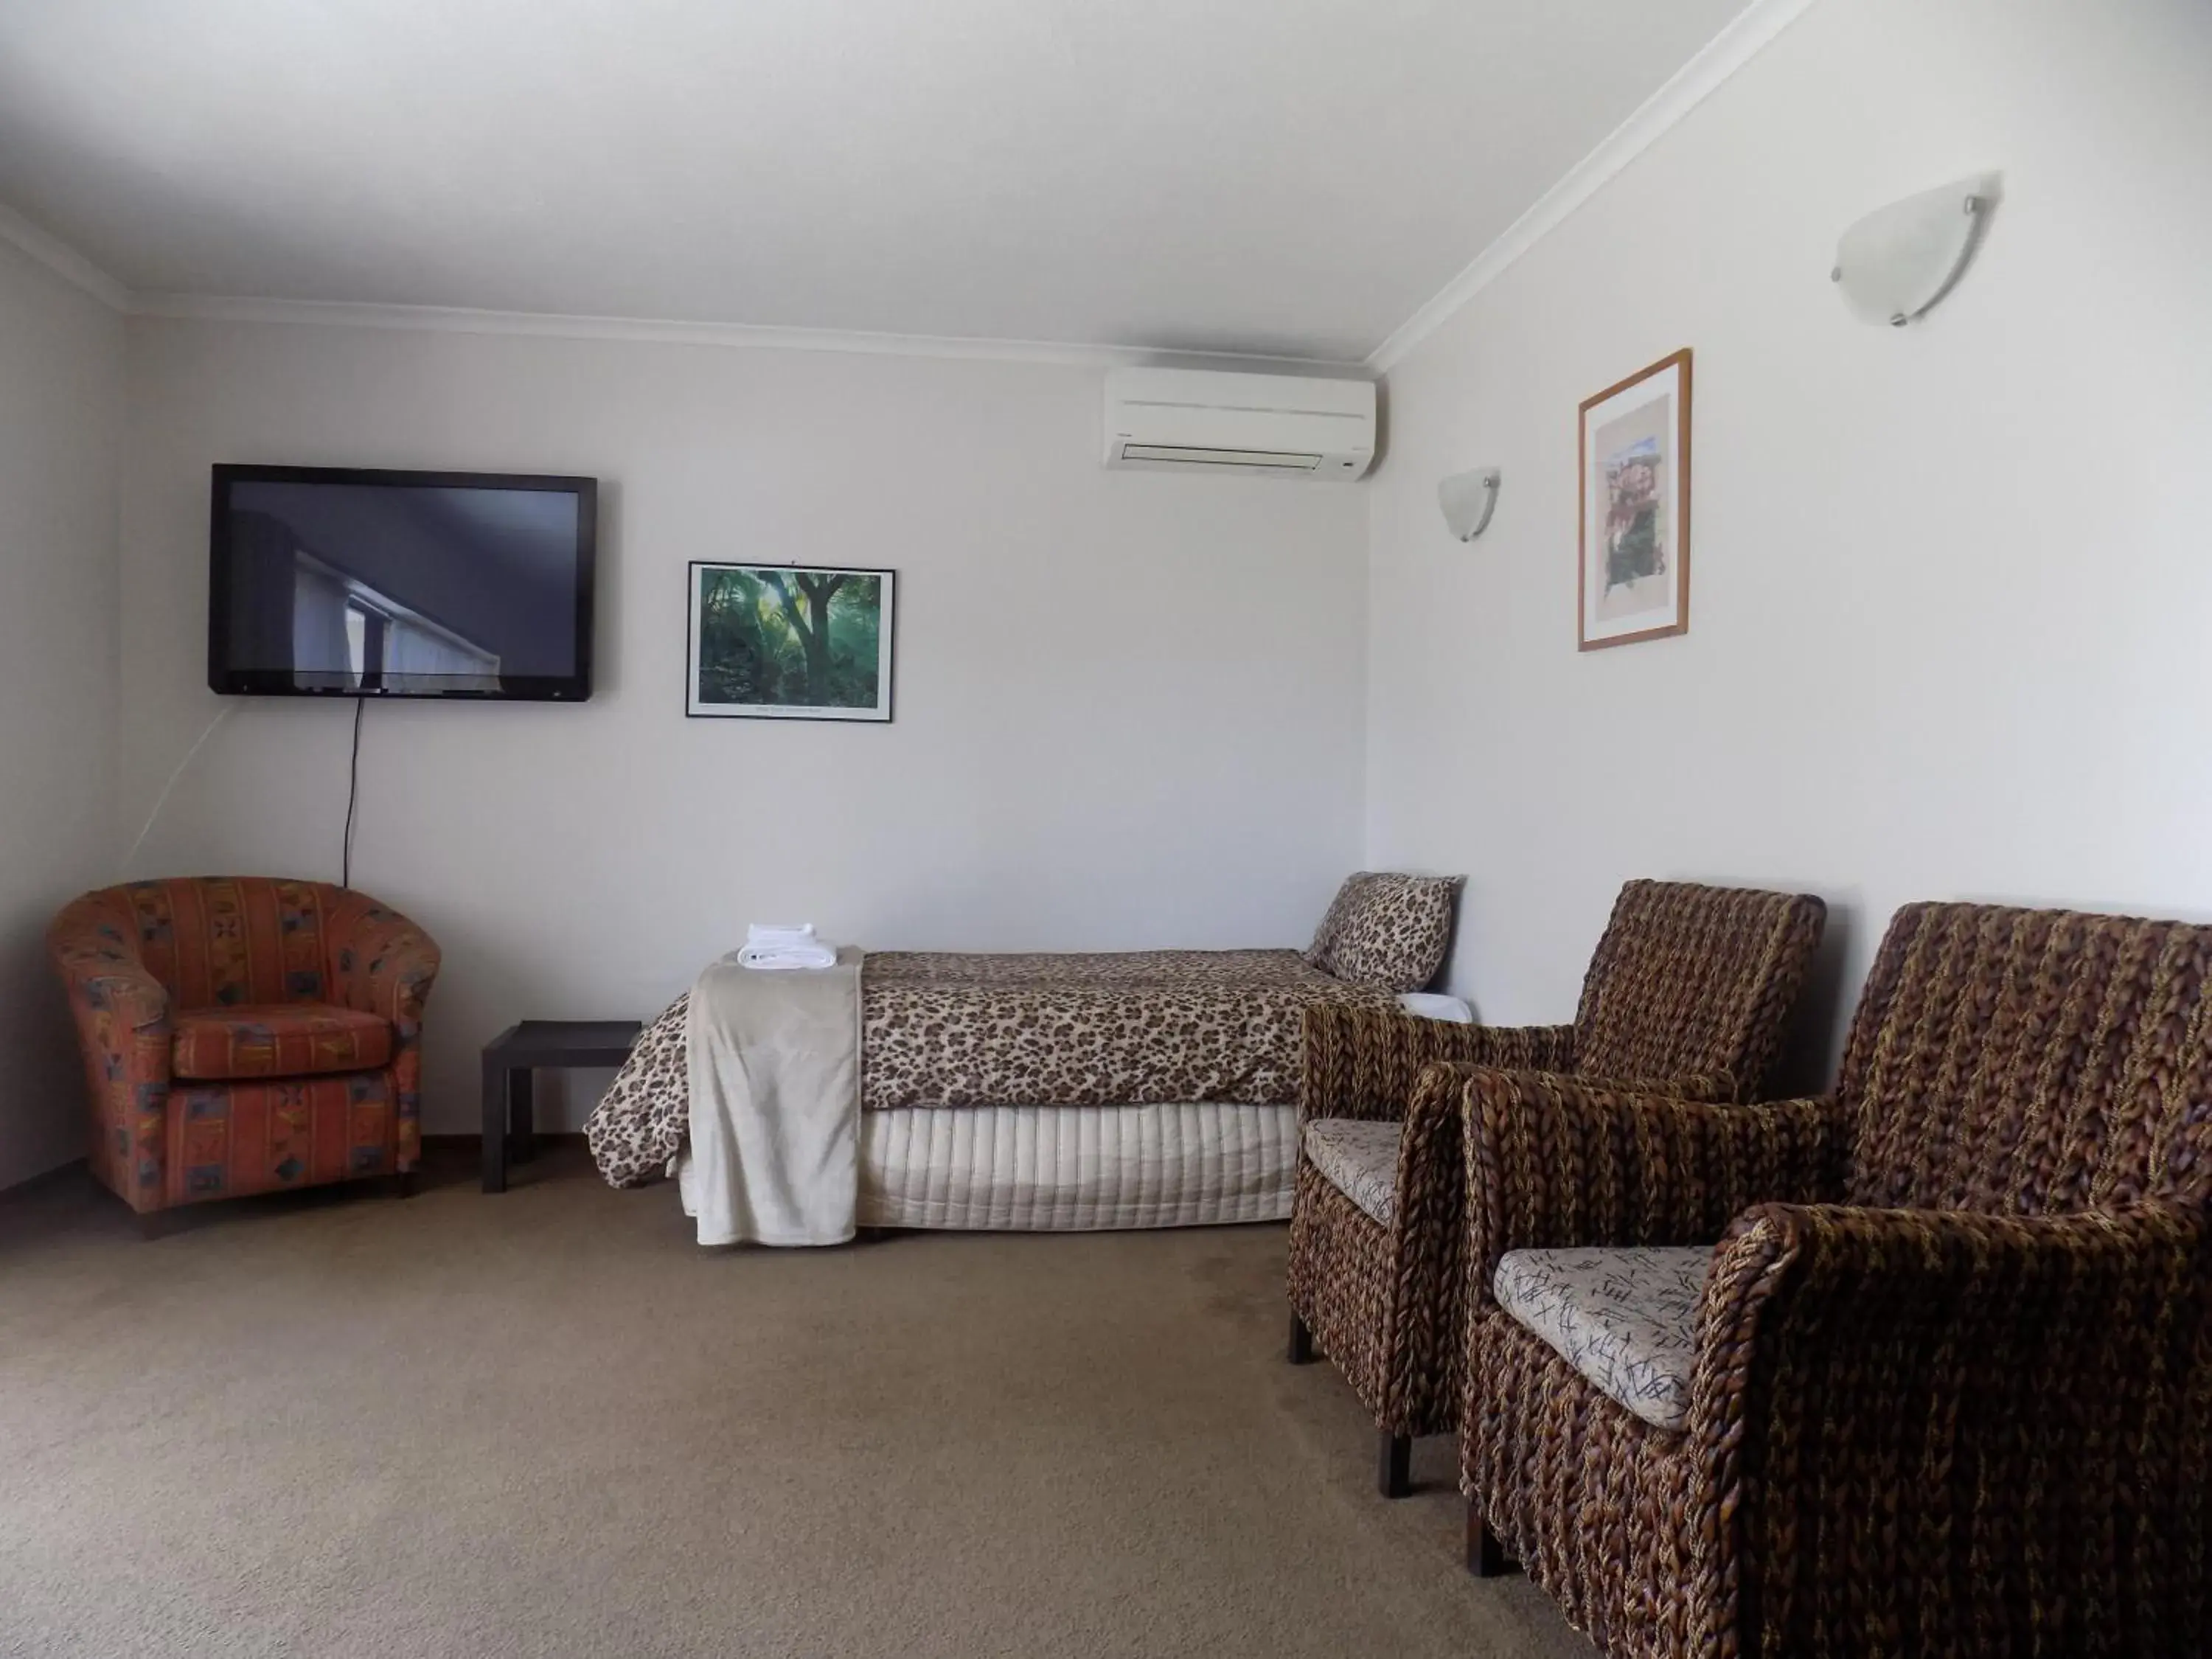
[1626,1319]
[288,1039]
[1360,1156]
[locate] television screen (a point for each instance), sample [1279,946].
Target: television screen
[324,582]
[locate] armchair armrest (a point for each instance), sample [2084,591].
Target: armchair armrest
[1363,1062]
[382,963]
[121,988]
[1889,1401]
[99,967]
[122,1016]
[1708,1088]
[1553,1162]
[1432,1187]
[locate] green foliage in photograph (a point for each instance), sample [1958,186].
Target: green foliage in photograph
[789,638]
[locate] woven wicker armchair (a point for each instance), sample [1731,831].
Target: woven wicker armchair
[1943,1386]
[1689,991]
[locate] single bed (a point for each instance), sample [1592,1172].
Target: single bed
[1042,1092]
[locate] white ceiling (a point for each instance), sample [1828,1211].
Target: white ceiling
[1284,177]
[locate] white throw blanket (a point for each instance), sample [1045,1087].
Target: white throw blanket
[775,1069]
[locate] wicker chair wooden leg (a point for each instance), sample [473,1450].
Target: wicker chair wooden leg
[1302,1347]
[1486,1556]
[1394,1463]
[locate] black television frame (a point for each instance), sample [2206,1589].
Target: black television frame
[513,687]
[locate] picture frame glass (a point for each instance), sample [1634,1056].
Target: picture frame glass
[777,642]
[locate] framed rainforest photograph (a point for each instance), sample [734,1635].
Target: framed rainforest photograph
[790,642]
[1634,578]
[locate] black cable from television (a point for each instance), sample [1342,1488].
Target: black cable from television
[353,795]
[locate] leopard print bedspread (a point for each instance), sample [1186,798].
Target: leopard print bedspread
[1135,1028]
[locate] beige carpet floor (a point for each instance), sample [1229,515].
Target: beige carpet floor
[548,1424]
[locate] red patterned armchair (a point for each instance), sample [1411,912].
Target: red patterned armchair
[243,1034]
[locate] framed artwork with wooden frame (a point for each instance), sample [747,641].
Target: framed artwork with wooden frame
[790,642]
[1634,579]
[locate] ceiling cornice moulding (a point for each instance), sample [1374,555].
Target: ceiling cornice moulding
[81,272]
[65,261]
[1748,34]
[458,320]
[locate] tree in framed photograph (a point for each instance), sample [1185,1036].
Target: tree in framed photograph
[786,642]
[1634,582]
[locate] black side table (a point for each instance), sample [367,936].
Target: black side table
[508,1059]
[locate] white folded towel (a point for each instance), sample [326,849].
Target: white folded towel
[789,955]
[779,948]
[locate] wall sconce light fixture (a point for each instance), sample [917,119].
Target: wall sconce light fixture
[1900,260]
[1468,499]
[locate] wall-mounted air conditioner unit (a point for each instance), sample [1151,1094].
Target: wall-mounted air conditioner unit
[1187,420]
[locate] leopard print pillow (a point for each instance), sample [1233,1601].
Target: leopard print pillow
[1387,930]
[641,1123]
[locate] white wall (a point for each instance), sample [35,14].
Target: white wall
[1129,706]
[1951,584]
[61,401]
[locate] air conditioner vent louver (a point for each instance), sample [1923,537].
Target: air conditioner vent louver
[1194,419]
[1185,455]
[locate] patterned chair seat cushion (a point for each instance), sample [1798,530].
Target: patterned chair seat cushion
[1360,1159]
[284,1039]
[1624,1318]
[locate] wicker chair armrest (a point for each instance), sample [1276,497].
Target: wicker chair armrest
[1428,1162]
[1707,1088]
[1556,1162]
[1889,1399]
[1363,1062]
[1431,1179]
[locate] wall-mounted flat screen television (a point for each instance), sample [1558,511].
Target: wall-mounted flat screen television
[325,581]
